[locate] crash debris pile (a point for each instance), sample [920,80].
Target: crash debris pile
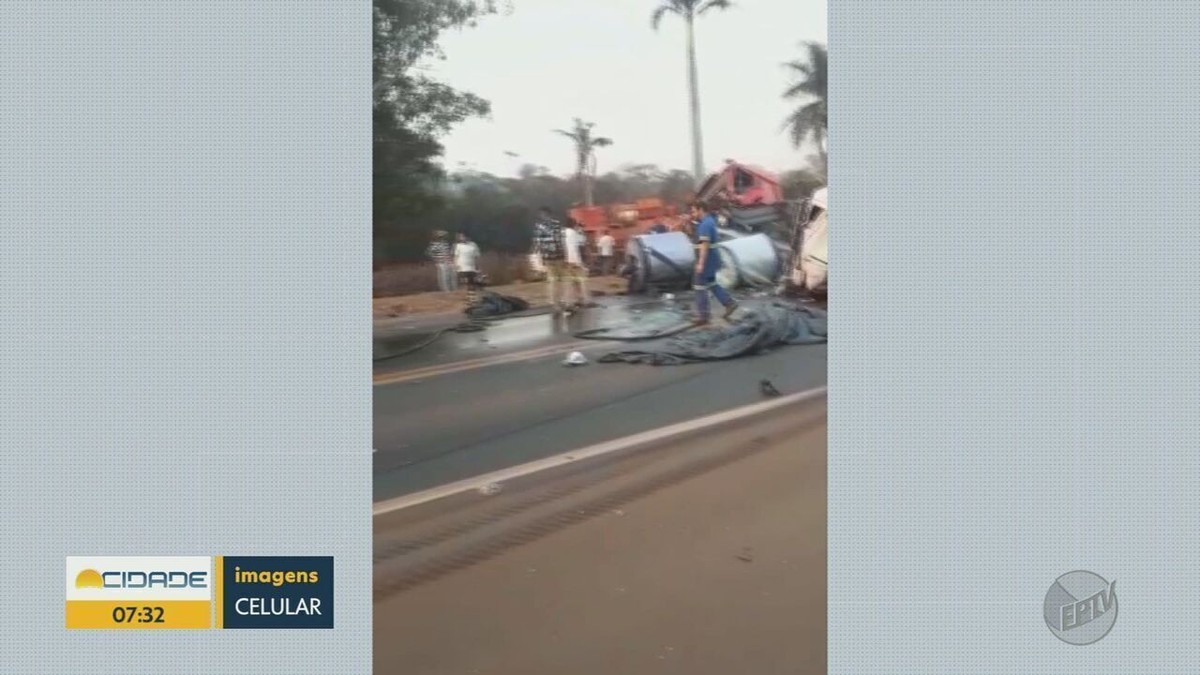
[759,329]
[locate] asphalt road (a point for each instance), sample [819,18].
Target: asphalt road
[437,427]
[705,555]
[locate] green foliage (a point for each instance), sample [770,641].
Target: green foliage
[800,183]
[411,110]
[585,153]
[687,10]
[811,86]
[498,213]
[414,195]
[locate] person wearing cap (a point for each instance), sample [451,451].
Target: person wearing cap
[708,262]
[442,256]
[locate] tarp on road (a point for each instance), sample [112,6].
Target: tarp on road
[493,304]
[759,329]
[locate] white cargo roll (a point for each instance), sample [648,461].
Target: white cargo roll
[750,261]
[665,260]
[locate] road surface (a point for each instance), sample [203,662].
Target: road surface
[704,555]
[477,402]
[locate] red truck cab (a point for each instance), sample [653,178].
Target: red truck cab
[743,185]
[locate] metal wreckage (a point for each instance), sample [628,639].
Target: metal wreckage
[766,241]
[774,255]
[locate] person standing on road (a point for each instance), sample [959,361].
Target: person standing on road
[466,262]
[577,271]
[708,261]
[549,244]
[440,254]
[607,246]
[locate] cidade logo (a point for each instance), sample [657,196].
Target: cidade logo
[90,578]
[1080,607]
[107,578]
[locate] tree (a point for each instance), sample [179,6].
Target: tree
[818,165]
[688,10]
[811,85]
[799,183]
[411,111]
[585,154]
[676,187]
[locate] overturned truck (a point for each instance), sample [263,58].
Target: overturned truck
[810,271]
[766,241]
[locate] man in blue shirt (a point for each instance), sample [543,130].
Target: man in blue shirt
[708,261]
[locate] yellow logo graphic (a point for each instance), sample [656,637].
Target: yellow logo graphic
[89,579]
[138,592]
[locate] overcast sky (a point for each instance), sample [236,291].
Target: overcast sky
[552,60]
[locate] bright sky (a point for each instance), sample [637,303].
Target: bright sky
[552,60]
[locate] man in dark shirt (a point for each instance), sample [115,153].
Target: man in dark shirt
[549,243]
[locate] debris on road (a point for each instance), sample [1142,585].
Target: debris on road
[493,304]
[768,389]
[746,555]
[761,328]
[490,489]
[575,359]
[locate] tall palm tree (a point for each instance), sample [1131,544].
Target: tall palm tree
[811,85]
[585,154]
[688,10]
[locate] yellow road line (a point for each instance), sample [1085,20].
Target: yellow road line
[473,364]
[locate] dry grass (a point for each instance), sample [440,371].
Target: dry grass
[411,288]
[451,303]
[410,278]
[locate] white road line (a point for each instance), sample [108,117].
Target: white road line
[662,433]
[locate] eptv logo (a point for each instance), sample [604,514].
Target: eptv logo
[139,578]
[1081,607]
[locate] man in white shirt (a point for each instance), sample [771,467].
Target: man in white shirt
[608,247]
[466,262]
[576,270]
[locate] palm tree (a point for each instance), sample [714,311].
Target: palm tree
[688,10]
[585,154]
[811,85]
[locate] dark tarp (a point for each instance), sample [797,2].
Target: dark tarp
[753,218]
[493,304]
[758,330]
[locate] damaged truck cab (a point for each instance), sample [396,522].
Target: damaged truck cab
[812,265]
